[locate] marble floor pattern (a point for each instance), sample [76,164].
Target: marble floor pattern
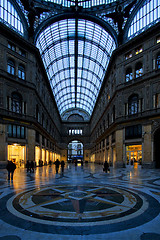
[83,203]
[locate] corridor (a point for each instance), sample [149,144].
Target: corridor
[83,203]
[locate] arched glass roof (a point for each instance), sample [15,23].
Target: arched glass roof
[76,54]
[10,17]
[146,16]
[83,3]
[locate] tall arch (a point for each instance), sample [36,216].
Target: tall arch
[76,52]
[75,151]
[144,15]
[12,16]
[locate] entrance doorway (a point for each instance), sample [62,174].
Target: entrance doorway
[17,154]
[134,155]
[75,151]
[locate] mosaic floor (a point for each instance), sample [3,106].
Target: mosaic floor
[83,203]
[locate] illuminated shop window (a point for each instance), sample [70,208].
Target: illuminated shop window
[37,155]
[17,154]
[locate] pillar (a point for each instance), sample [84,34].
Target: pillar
[119,149]
[147,147]
[31,145]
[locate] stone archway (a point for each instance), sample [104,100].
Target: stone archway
[157,148]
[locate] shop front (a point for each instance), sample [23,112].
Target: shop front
[134,155]
[47,157]
[38,156]
[43,156]
[17,154]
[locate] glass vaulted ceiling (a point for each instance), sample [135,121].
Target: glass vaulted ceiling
[84,3]
[76,54]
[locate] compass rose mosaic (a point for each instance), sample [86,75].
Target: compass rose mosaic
[80,209]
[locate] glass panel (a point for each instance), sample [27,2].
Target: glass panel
[9,16]
[84,4]
[10,130]
[57,47]
[145,17]
[14,131]
[18,132]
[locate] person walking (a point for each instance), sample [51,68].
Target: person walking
[57,163]
[32,166]
[28,166]
[62,166]
[10,168]
[106,167]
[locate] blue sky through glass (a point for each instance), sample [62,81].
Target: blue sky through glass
[57,47]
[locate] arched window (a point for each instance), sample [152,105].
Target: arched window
[9,16]
[145,17]
[16,102]
[158,61]
[139,70]
[128,74]
[11,67]
[133,104]
[21,72]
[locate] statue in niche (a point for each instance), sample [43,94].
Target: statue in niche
[118,16]
[33,12]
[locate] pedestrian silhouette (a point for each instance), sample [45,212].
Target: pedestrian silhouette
[10,168]
[57,163]
[28,166]
[106,167]
[32,166]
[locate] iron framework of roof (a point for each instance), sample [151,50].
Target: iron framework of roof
[76,39]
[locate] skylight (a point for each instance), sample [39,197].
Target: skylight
[75,61]
[84,3]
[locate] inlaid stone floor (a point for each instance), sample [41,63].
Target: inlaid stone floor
[83,203]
